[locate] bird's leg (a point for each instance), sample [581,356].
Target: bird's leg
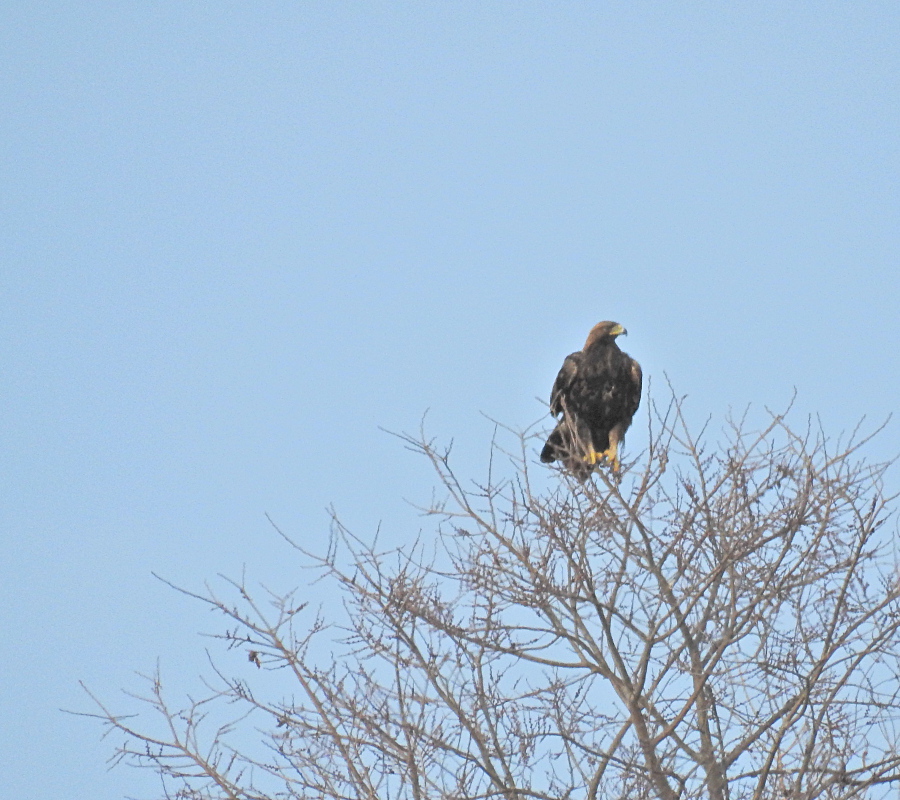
[583,441]
[612,452]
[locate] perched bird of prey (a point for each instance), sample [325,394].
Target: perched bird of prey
[594,396]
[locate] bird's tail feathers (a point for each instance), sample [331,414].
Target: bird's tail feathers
[555,447]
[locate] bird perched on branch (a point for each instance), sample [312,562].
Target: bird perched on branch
[594,396]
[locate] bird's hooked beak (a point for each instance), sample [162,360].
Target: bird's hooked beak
[618,330]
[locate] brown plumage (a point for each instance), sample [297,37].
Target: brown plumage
[595,397]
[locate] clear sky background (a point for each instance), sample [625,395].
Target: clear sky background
[237,239]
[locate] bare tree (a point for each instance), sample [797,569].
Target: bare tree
[721,622]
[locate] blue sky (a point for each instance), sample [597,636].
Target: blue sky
[238,239]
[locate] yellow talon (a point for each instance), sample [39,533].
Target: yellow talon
[593,456]
[612,456]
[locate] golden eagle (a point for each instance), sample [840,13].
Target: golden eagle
[595,396]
